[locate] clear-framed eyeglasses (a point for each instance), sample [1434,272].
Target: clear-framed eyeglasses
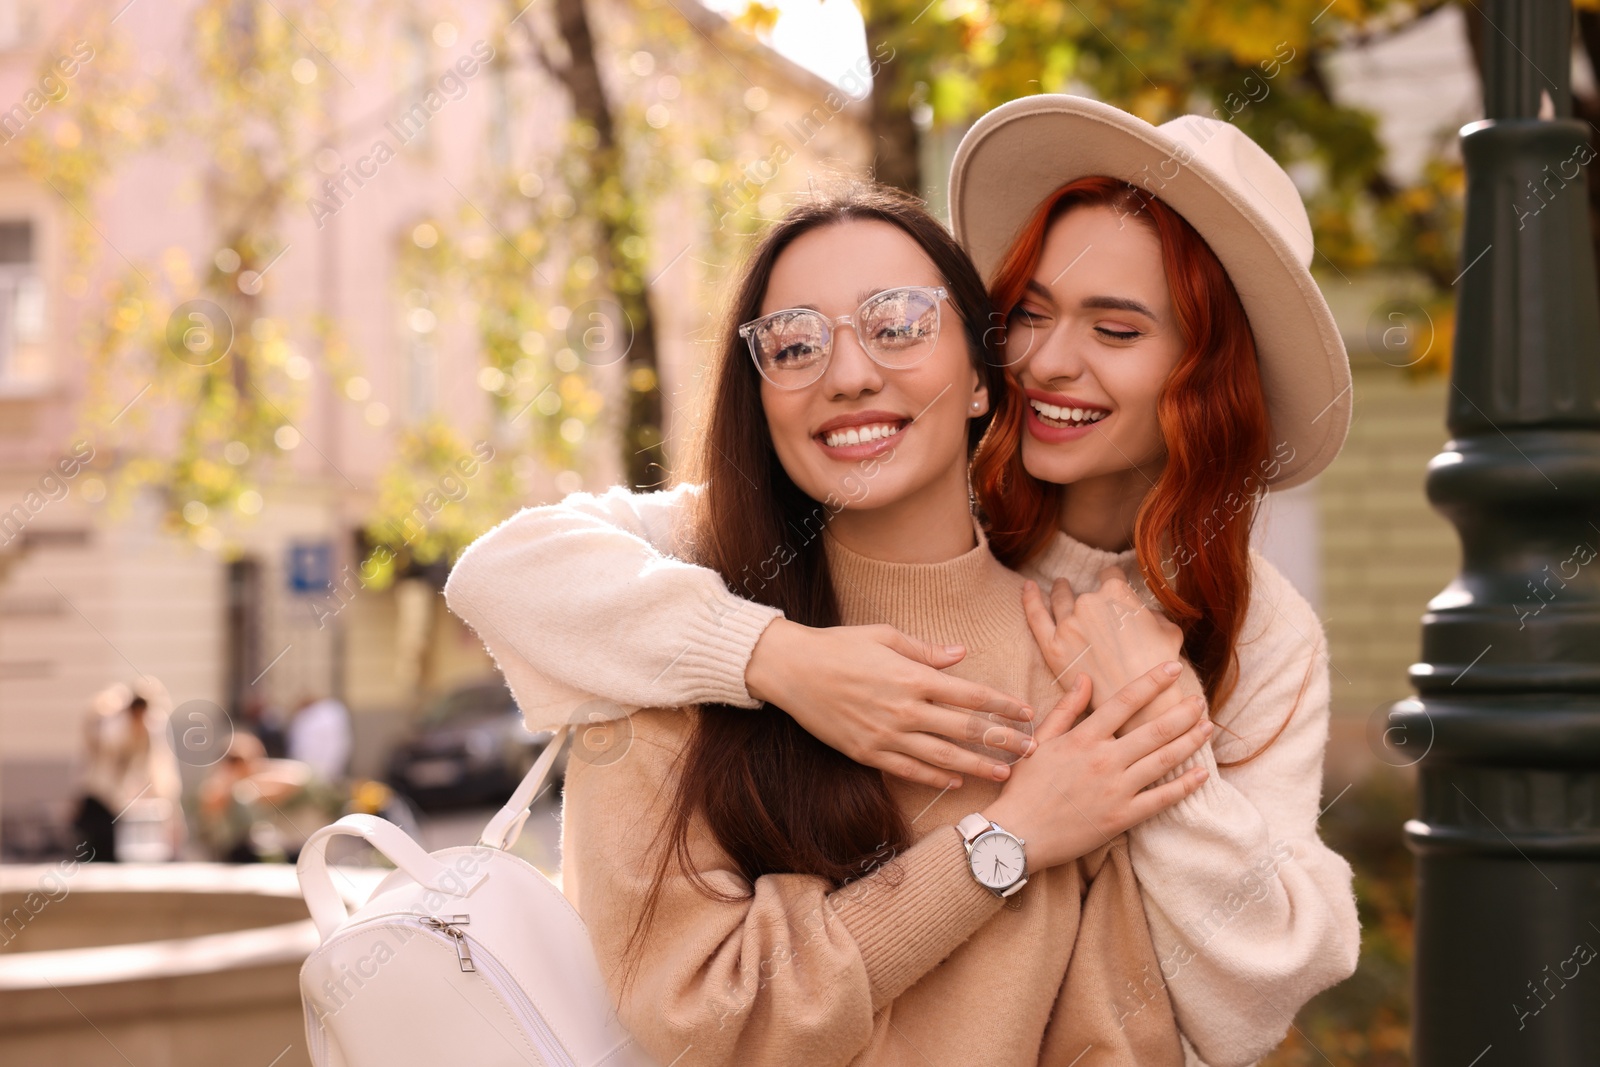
[897,328]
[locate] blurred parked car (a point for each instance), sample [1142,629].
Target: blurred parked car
[469,748]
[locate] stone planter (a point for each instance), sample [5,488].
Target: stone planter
[160,965]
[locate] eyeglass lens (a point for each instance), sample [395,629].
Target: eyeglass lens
[896,327]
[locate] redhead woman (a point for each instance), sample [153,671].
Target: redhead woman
[757,897]
[1175,359]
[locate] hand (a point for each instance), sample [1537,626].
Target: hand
[1109,634]
[1084,785]
[875,695]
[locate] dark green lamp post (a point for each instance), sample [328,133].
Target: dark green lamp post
[1507,832]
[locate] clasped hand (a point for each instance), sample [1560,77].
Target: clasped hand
[1112,636]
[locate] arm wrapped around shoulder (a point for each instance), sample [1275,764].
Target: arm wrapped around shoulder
[586,603]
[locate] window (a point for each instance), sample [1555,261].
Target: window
[416,359]
[500,120]
[411,120]
[22,311]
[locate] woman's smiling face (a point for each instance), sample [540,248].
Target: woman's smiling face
[909,423]
[1093,340]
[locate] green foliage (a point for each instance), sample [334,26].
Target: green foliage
[442,491]
[195,389]
[537,235]
[1258,65]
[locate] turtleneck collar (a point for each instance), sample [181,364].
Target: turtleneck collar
[970,599]
[1066,557]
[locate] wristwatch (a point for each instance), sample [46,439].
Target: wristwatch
[995,857]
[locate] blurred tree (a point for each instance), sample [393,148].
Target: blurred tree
[1258,65]
[224,381]
[220,382]
[553,254]
[616,216]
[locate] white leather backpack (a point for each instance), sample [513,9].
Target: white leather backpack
[465,956]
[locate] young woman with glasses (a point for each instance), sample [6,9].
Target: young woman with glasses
[756,896]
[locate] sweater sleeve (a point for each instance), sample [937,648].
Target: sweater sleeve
[1250,913]
[785,970]
[585,609]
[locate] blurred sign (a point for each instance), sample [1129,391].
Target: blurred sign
[310,566]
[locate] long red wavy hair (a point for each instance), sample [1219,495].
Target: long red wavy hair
[1192,531]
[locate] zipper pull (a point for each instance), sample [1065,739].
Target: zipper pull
[448,926]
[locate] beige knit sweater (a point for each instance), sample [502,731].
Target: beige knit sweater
[911,963]
[589,609]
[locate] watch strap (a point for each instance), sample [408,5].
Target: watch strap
[971,826]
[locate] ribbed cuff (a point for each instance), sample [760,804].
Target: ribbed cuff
[911,913]
[1196,804]
[719,647]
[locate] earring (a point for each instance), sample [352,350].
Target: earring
[977,405]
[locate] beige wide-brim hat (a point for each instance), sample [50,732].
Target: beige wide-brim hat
[1227,187]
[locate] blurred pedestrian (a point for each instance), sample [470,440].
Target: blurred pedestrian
[266,721]
[128,759]
[319,735]
[225,820]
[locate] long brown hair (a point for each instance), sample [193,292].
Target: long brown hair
[1192,531]
[775,798]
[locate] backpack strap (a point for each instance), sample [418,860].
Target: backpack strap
[325,902]
[506,826]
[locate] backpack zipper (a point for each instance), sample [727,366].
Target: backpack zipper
[448,926]
[554,1052]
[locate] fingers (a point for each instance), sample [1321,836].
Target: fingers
[1170,724]
[962,726]
[1113,573]
[912,770]
[1154,766]
[932,760]
[1066,712]
[960,693]
[936,656]
[953,761]
[1108,718]
[1159,798]
[1040,621]
[1061,598]
[1115,588]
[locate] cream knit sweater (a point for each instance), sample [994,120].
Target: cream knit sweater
[912,962]
[589,610]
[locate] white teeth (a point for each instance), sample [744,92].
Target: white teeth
[1080,416]
[857,435]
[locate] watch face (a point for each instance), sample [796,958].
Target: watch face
[996,859]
